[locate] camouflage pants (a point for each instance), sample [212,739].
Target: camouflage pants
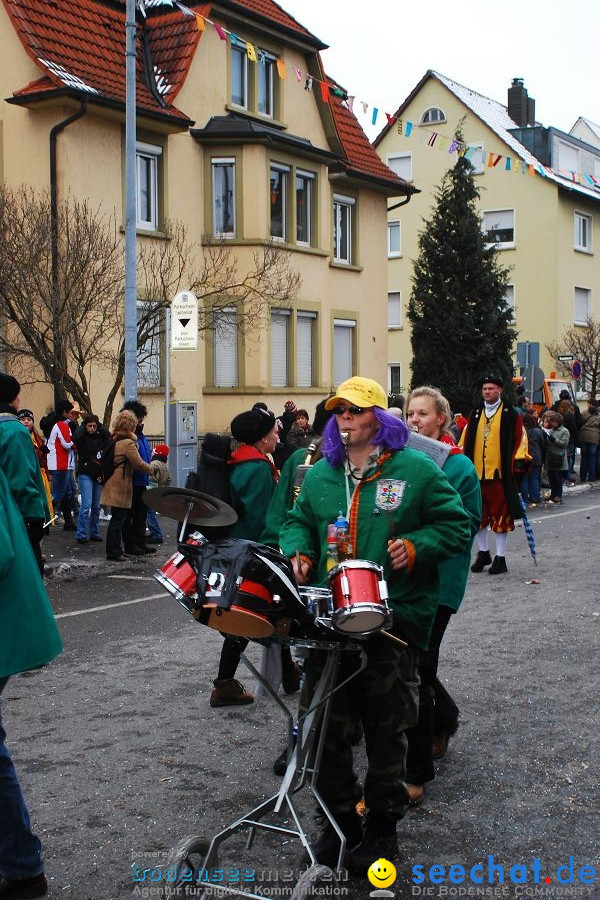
[382,701]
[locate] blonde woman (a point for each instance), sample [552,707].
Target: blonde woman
[118,490]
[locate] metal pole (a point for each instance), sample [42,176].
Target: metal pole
[130,206]
[167,373]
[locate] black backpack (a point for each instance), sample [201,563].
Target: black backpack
[212,477]
[102,465]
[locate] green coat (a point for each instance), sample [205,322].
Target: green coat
[411,499]
[22,470]
[283,498]
[29,635]
[454,571]
[251,484]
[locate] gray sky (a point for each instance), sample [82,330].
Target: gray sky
[380,50]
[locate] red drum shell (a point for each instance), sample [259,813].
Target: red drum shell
[248,616]
[177,576]
[359,595]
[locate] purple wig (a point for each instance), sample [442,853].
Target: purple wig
[392,434]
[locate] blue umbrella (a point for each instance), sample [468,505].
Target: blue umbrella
[528,529]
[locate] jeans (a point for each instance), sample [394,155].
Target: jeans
[20,849]
[118,518]
[90,492]
[153,525]
[531,485]
[589,461]
[61,486]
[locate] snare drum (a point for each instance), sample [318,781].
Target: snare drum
[318,601]
[359,597]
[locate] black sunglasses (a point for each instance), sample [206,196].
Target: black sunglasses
[354,410]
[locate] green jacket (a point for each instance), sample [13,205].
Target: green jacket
[21,468]
[454,571]
[29,635]
[282,499]
[251,484]
[411,498]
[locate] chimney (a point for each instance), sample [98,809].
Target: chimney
[521,108]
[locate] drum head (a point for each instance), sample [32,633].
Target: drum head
[362,618]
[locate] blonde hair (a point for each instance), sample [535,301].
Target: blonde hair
[442,407]
[124,421]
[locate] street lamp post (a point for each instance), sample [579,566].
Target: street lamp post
[130,205]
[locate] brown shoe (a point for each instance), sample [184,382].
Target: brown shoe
[440,744]
[229,692]
[415,792]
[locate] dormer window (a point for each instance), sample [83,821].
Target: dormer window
[433,114]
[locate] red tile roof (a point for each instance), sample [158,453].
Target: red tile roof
[271,11]
[360,153]
[80,45]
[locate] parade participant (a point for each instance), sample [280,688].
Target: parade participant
[28,638]
[20,466]
[405,516]
[428,413]
[252,480]
[496,443]
[41,452]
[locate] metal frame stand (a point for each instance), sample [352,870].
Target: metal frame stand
[302,770]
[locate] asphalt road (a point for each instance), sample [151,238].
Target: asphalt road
[120,755]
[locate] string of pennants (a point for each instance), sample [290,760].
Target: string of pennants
[426,136]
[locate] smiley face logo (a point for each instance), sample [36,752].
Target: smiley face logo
[381,873]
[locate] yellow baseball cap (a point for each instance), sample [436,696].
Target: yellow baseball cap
[359,391]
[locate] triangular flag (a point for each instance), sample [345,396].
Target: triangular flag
[432,139]
[399,128]
[390,118]
[298,74]
[200,22]
[442,142]
[408,129]
[350,102]
[234,38]
[324,92]
[365,106]
[251,51]
[220,31]
[281,68]
[308,83]
[508,163]
[374,116]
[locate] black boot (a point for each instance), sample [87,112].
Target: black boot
[482,560]
[379,842]
[66,508]
[498,566]
[327,845]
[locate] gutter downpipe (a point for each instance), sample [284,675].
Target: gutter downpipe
[54,132]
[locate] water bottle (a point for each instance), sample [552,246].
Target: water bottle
[344,544]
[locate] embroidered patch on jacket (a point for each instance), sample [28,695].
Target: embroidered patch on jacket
[389,493]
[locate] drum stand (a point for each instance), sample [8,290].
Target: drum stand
[302,770]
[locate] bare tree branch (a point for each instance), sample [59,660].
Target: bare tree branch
[583,343]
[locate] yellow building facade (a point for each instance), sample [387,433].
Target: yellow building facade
[539,202]
[241,137]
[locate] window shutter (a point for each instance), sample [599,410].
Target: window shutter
[343,332]
[225,350]
[279,348]
[304,349]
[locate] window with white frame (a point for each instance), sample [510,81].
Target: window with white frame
[343,210]
[509,299]
[239,76]
[265,74]
[401,164]
[394,246]
[223,197]
[476,156]
[147,161]
[304,206]
[280,326]
[583,305]
[394,378]
[225,349]
[499,227]
[343,349]
[305,342]
[583,232]
[149,356]
[278,187]
[394,309]
[431,115]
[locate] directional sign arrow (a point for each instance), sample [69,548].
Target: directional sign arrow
[184,322]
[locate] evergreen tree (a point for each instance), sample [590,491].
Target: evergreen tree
[457,309]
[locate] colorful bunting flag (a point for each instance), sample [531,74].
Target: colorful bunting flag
[324,92]
[374,116]
[200,22]
[220,31]
[251,51]
[281,68]
[308,83]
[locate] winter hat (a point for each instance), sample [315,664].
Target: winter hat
[249,427]
[9,388]
[161,450]
[491,379]
[26,414]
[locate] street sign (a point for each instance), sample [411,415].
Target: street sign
[565,358]
[533,379]
[184,321]
[576,370]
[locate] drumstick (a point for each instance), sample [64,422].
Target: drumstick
[393,637]
[50,521]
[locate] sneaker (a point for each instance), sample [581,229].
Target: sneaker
[482,560]
[24,888]
[379,842]
[229,692]
[291,681]
[327,846]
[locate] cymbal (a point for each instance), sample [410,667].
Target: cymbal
[203,509]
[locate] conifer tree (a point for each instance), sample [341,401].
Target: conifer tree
[458,313]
